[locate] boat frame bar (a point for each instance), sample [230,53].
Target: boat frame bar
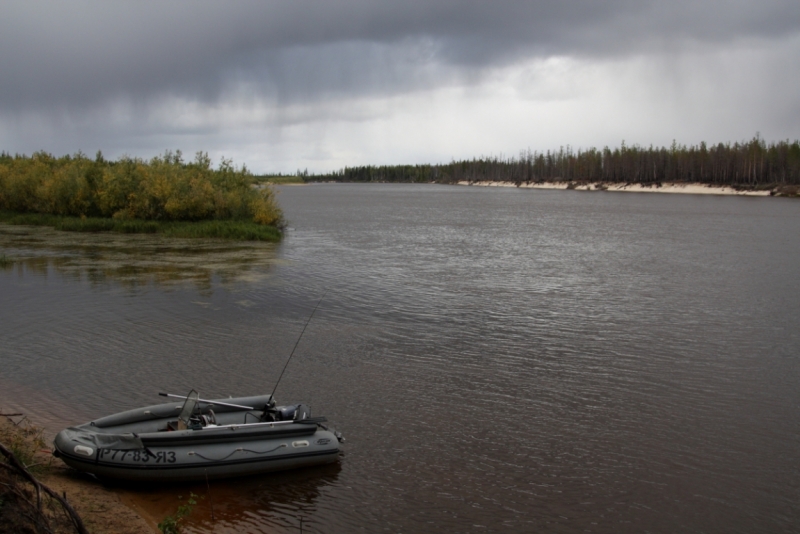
[251,425]
[216,403]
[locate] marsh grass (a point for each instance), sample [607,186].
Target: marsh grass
[25,441]
[222,229]
[239,230]
[172,523]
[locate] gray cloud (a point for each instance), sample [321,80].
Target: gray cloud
[334,82]
[76,54]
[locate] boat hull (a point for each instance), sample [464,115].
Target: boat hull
[196,463]
[112,448]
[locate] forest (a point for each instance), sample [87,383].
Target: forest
[754,164]
[164,189]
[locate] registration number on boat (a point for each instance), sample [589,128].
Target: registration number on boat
[166,457]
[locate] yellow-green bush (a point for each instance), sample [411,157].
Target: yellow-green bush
[162,189]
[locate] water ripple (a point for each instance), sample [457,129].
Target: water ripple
[499,360]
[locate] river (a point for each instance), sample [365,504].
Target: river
[499,360]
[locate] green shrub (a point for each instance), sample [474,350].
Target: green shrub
[162,189]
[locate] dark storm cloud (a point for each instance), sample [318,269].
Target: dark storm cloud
[71,55]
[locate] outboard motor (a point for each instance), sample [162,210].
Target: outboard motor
[293,412]
[270,413]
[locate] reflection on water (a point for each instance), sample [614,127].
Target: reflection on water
[133,260]
[279,500]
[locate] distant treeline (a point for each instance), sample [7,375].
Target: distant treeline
[164,188]
[754,164]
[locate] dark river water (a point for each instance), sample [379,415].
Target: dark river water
[499,360]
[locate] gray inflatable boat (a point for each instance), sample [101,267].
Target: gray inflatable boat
[199,438]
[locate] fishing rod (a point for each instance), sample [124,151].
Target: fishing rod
[272,395]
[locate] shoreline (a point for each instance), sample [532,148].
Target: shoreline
[102,509]
[227,229]
[679,188]
[112,509]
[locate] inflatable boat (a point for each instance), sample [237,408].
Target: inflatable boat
[199,439]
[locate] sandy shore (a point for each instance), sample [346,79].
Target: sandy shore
[693,189]
[102,508]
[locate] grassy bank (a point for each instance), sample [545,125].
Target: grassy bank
[24,510]
[21,494]
[225,229]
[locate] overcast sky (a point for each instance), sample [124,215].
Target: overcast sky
[287,84]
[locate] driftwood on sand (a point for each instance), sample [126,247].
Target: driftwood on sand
[18,481]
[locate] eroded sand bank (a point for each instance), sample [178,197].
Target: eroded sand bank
[694,189]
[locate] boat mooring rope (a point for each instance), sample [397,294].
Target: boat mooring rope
[192,453]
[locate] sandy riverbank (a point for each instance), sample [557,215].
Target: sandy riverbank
[102,509]
[694,189]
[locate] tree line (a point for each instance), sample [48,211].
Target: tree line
[754,164]
[164,188]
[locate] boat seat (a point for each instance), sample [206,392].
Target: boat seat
[194,424]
